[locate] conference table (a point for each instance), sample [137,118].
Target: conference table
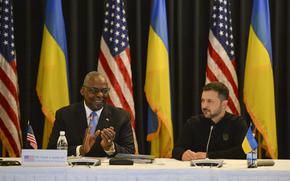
[159,170]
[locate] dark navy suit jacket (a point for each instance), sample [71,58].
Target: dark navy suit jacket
[72,119]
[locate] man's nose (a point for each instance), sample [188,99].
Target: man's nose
[99,93]
[204,105]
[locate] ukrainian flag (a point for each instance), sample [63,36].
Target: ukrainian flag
[157,84]
[249,142]
[259,96]
[52,80]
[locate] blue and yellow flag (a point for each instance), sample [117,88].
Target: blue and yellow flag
[52,80]
[249,143]
[157,84]
[259,96]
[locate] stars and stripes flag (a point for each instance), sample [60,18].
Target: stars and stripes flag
[221,61]
[31,137]
[10,131]
[115,60]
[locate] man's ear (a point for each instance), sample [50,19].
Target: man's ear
[82,91]
[225,103]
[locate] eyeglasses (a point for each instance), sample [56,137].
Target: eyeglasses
[95,90]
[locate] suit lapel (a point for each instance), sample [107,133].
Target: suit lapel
[104,118]
[82,117]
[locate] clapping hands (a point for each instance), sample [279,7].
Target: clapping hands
[107,136]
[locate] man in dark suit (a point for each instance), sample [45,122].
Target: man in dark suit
[92,127]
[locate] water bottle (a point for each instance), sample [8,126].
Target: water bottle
[252,159]
[62,142]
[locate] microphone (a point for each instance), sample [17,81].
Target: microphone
[208,141]
[207,161]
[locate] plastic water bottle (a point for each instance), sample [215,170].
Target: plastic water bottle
[252,159]
[62,142]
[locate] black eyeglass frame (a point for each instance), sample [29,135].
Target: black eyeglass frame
[95,90]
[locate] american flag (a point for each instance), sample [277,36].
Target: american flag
[221,62]
[30,137]
[115,60]
[10,131]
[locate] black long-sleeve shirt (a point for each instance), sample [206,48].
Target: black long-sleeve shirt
[225,142]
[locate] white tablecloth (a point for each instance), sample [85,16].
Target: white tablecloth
[160,170]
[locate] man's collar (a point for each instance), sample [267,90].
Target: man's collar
[221,121]
[89,111]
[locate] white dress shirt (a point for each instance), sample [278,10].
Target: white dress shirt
[88,116]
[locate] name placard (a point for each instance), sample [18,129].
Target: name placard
[46,158]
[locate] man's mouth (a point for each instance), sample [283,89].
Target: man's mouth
[98,101]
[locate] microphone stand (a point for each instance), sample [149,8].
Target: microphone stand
[208,141]
[207,161]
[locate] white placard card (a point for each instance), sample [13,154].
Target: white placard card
[47,158]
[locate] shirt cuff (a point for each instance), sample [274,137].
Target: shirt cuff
[111,151]
[78,153]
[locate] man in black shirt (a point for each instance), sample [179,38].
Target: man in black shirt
[227,133]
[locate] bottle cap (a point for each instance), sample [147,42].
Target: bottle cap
[62,133]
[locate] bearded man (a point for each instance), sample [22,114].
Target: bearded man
[215,133]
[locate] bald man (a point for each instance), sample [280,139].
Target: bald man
[92,127]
